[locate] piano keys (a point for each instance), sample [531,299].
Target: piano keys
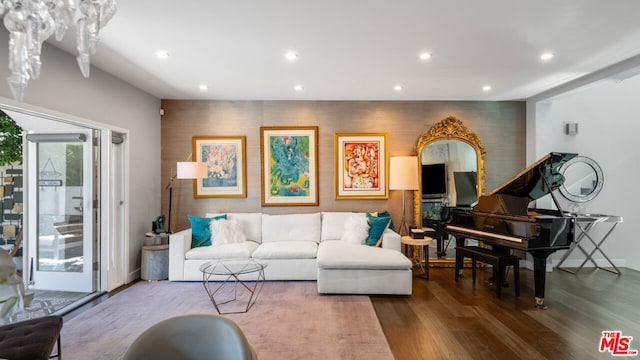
[504,220]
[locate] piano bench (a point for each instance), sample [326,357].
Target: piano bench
[499,261]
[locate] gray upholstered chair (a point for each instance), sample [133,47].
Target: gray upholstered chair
[192,337]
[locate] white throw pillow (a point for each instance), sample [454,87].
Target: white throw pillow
[333,223]
[356,229]
[226,231]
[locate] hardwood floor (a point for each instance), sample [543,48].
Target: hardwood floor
[448,320]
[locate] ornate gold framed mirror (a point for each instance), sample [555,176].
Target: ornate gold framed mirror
[452,173]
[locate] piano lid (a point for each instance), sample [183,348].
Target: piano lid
[529,181]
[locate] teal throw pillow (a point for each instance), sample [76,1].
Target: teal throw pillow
[200,233]
[386,213]
[378,224]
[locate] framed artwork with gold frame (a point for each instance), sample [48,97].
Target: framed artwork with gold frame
[289,165]
[225,157]
[361,166]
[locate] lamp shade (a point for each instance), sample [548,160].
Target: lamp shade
[403,173]
[191,170]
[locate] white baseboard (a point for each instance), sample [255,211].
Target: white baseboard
[132,276]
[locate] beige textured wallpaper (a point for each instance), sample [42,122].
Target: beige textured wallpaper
[500,126]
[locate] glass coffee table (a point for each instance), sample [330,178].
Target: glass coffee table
[229,281]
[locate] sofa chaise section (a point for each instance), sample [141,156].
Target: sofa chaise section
[345,268]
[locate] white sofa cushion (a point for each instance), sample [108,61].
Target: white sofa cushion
[241,250]
[250,223]
[286,250]
[343,255]
[333,224]
[292,227]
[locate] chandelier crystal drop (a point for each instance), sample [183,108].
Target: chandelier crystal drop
[32,22]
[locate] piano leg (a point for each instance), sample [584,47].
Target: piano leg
[460,242]
[539,275]
[440,236]
[500,276]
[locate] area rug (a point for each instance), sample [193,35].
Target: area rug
[288,321]
[40,308]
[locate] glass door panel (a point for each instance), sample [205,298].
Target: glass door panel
[64,216]
[60,208]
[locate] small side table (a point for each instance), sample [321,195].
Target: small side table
[584,224]
[156,239]
[418,260]
[155,262]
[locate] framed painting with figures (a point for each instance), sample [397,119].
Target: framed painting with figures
[289,165]
[226,166]
[361,166]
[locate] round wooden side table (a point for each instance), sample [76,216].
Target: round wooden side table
[421,261]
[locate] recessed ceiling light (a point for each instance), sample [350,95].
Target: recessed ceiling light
[204,87]
[486,88]
[546,56]
[425,56]
[397,88]
[298,88]
[162,54]
[291,55]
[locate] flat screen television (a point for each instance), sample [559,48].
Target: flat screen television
[434,180]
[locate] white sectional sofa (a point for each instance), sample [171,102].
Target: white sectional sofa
[301,247]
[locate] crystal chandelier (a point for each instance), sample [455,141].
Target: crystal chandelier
[31,22]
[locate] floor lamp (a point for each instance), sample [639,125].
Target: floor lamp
[403,175]
[185,170]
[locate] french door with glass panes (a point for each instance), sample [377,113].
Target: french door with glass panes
[63,175]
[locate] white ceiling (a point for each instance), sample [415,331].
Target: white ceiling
[360,49]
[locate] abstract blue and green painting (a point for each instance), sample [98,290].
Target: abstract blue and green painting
[289,174]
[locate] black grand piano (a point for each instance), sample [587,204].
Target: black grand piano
[504,220]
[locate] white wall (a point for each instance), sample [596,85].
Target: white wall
[108,100]
[608,114]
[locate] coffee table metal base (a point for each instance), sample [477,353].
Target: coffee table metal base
[217,291]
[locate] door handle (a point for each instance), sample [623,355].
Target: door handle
[31,282]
